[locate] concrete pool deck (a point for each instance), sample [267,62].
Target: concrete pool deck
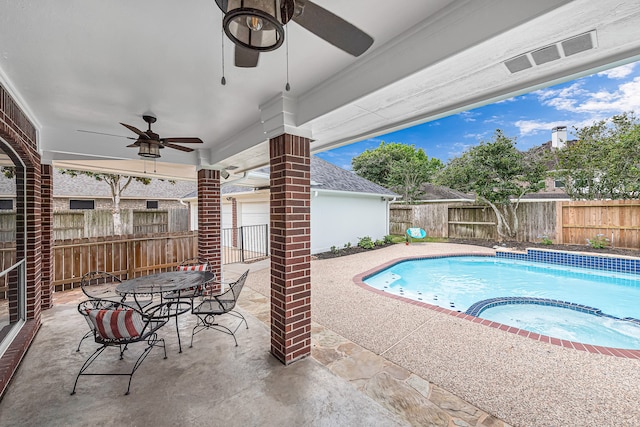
[516,379]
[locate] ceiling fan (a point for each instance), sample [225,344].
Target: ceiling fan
[257,26]
[149,143]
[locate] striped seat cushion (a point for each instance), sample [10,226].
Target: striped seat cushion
[197,267]
[117,324]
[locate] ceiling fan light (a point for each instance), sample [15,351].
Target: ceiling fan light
[149,150]
[254,24]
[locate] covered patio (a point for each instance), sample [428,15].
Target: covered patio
[71,75]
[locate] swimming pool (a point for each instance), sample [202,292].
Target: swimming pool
[569,303]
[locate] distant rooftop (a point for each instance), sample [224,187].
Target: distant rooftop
[324,176]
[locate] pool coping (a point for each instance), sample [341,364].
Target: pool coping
[358,279]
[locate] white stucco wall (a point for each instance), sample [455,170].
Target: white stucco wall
[338,218]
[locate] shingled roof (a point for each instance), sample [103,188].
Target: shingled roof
[86,186]
[327,176]
[324,176]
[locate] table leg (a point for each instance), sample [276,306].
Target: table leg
[178,331]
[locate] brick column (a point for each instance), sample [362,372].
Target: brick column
[46,188]
[209,219]
[234,221]
[290,208]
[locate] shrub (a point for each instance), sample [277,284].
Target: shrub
[598,242]
[334,250]
[347,245]
[545,240]
[379,242]
[388,239]
[366,242]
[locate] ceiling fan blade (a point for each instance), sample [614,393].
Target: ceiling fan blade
[246,58]
[135,144]
[182,140]
[136,130]
[108,134]
[178,147]
[332,28]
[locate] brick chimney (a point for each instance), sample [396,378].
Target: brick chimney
[558,136]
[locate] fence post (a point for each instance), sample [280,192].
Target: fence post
[559,224]
[241,244]
[130,264]
[266,240]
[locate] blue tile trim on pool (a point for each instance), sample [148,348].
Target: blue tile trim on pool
[477,308]
[359,280]
[619,265]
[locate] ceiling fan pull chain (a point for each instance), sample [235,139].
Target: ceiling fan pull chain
[286,39]
[223,81]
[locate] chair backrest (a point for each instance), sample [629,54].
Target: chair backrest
[416,233]
[195,264]
[100,285]
[114,323]
[236,287]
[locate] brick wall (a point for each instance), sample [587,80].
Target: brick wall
[290,207]
[209,218]
[19,135]
[46,187]
[234,221]
[62,203]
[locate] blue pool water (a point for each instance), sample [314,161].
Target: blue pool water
[456,283]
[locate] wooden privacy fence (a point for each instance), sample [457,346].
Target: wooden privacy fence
[616,220]
[7,259]
[565,222]
[125,256]
[79,224]
[468,221]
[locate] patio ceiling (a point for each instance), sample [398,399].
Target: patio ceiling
[90,64]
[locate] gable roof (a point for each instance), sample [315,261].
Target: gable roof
[327,176]
[86,186]
[324,176]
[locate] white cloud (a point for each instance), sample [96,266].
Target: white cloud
[468,116]
[576,99]
[570,92]
[626,98]
[457,148]
[533,127]
[477,136]
[618,72]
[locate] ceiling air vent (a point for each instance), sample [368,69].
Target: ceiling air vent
[546,54]
[518,63]
[577,44]
[553,52]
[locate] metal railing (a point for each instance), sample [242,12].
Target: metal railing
[245,243]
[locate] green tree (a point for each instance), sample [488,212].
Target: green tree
[117,184]
[400,167]
[499,175]
[604,162]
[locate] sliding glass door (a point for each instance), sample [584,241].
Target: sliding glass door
[12,249]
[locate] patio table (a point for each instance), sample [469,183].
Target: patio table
[160,284]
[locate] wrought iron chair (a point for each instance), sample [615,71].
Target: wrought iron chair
[115,324]
[101,285]
[191,264]
[211,305]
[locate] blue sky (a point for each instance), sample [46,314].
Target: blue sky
[529,117]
